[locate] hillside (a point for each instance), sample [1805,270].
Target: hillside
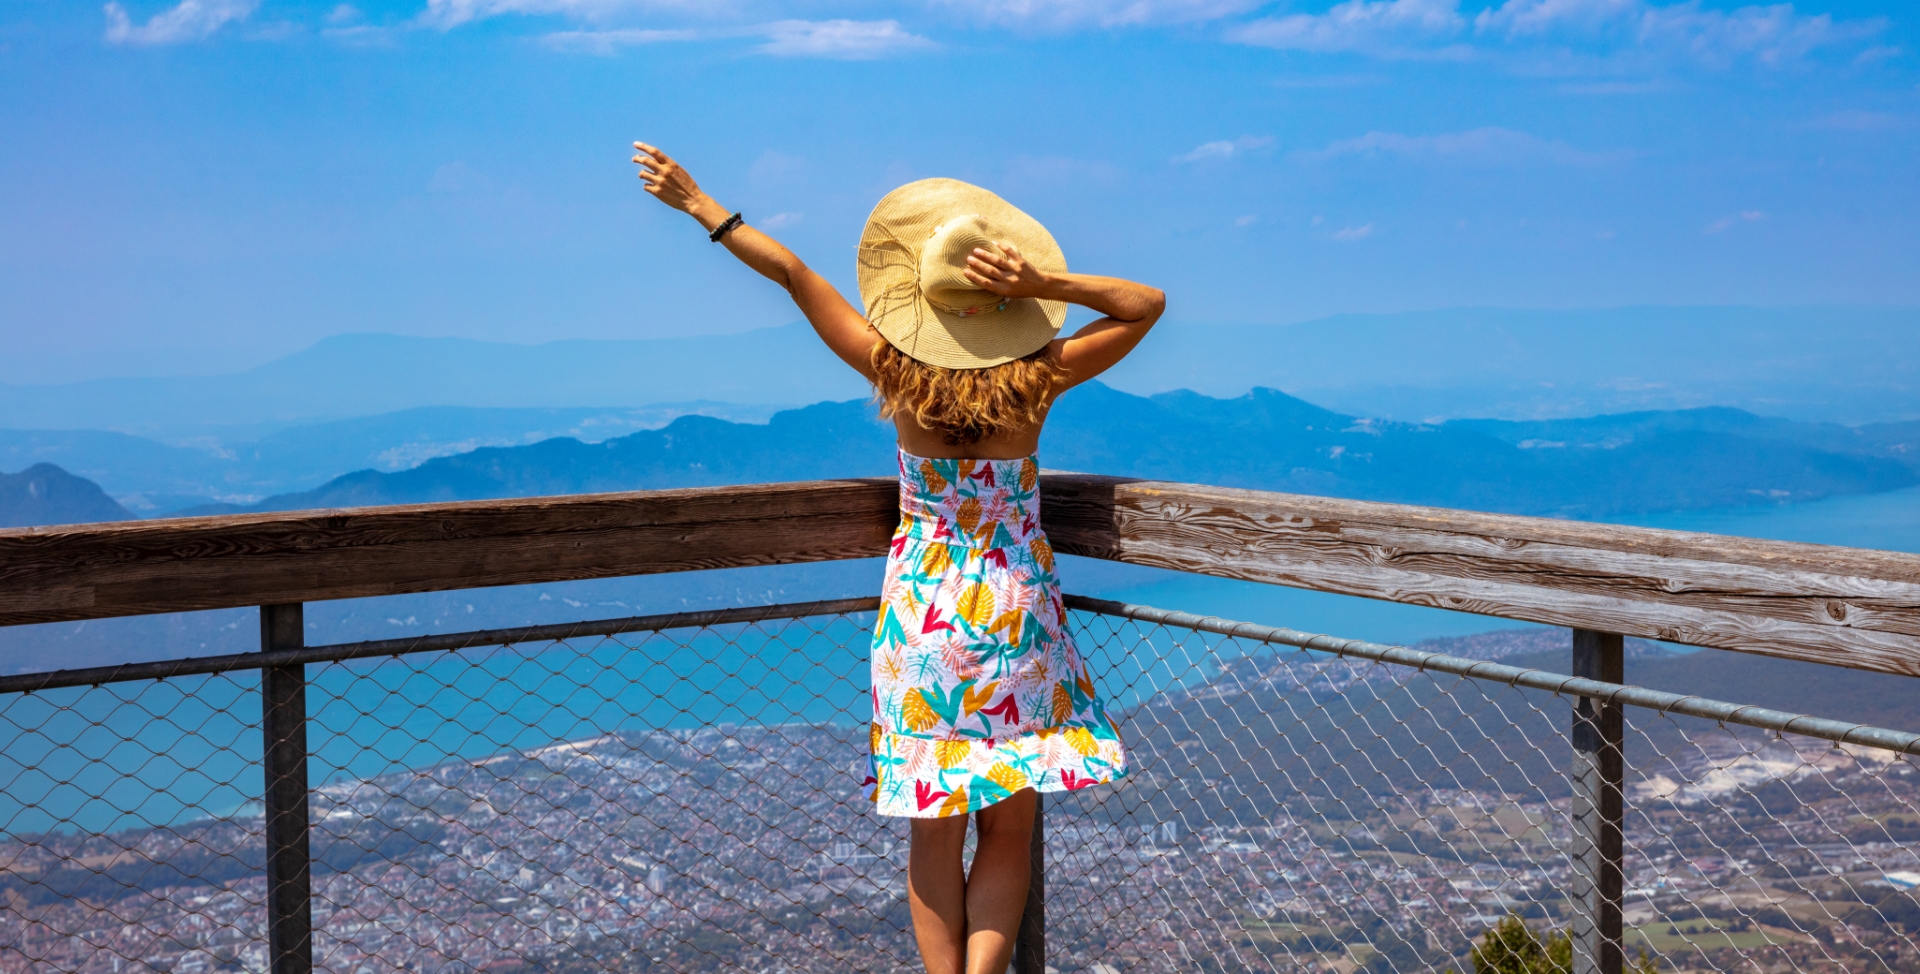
[46,494]
[1264,440]
[1848,365]
[153,479]
[1879,699]
[820,441]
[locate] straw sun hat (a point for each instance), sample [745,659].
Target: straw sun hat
[913,255]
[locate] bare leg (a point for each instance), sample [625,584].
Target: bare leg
[937,892]
[997,886]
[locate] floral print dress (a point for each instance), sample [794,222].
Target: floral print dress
[978,691]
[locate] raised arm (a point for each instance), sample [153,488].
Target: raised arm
[1130,308]
[838,323]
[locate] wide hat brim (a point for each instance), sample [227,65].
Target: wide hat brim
[889,276]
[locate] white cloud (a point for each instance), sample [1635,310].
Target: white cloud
[1353,234]
[779,220]
[1482,146]
[191,20]
[448,14]
[363,35]
[1386,27]
[609,41]
[1517,18]
[1770,34]
[846,40]
[1246,221]
[1061,14]
[1732,220]
[1225,148]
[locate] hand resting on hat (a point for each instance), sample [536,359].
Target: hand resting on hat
[1130,308]
[1008,274]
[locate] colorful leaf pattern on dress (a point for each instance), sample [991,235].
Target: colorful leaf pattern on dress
[978,689]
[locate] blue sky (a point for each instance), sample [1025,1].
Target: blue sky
[201,186]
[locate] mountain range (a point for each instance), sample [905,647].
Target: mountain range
[1851,365]
[46,494]
[1600,467]
[153,478]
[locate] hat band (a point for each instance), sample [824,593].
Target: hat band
[970,312]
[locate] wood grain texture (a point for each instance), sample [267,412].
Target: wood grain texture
[93,571]
[1840,606]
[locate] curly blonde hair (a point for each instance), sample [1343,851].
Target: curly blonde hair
[965,406]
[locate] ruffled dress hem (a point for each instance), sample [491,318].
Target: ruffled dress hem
[938,778]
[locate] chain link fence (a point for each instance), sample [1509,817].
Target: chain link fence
[683,794]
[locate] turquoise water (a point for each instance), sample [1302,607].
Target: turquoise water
[1889,521]
[124,755]
[151,753]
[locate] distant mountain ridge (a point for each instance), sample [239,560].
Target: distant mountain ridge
[356,375]
[153,478]
[1265,440]
[1832,364]
[46,494]
[1829,364]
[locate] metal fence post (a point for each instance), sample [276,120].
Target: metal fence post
[1599,813]
[1030,946]
[283,722]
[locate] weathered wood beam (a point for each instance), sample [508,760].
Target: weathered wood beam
[93,571]
[1842,606]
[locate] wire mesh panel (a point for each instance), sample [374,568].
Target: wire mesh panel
[1297,811]
[690,799]
[126,838]
[686,799]
[1292,811]
[682,800]
[1748,850]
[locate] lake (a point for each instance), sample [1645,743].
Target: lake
[97,759]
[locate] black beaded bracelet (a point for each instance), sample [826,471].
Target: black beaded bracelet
[728,224]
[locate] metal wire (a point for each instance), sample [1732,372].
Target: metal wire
[685,795]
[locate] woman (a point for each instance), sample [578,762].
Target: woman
[980,699]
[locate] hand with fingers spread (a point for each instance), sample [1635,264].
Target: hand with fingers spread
[1005,272]
[670,183]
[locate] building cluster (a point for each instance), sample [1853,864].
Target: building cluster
[753,849]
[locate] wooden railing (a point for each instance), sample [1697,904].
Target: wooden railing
[1839,606]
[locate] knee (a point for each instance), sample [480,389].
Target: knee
[939,834]
[1010,820]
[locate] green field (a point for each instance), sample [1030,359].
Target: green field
[1709,935]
